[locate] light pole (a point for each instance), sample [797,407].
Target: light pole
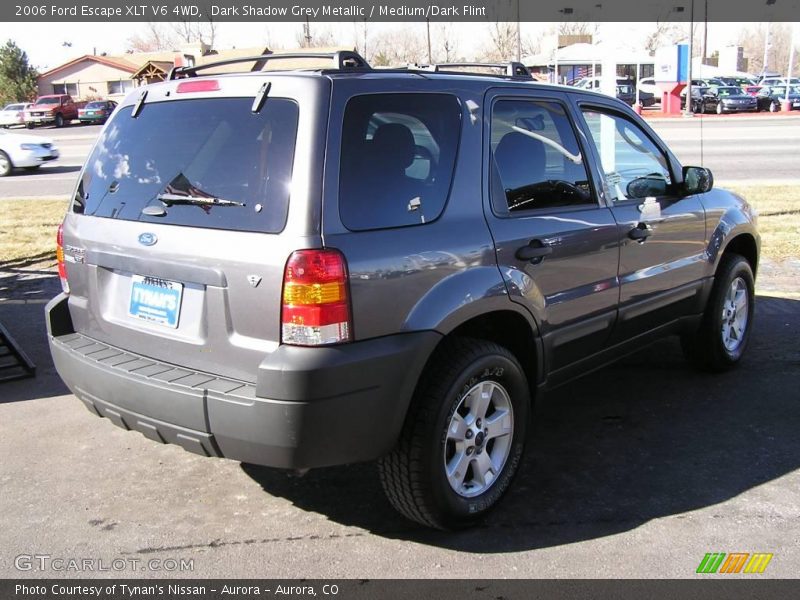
[786,105]
[688,110]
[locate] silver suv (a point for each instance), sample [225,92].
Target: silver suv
[315,267]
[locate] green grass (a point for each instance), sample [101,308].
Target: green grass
[778,209]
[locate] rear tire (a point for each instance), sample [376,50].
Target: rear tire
[722,338]
[463,438]
[5,164]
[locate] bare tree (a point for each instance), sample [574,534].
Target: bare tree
[665,34]
[315,37]
[578,28]
[400,47]
[502,44]
[752,40]
[153,39]
[191,32]
[446,44]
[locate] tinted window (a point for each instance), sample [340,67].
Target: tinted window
[398,153]
[536,159]
[97,105]
[633,165]
[208,148]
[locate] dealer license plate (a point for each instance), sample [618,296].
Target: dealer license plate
[155,300]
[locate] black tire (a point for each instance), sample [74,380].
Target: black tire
[30,125]
[414,475]
[59,120]
[719,108]
[773,107]
[705,347]
[5,164]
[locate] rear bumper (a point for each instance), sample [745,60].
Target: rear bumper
[310,407]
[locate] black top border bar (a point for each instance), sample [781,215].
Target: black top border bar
[399,10]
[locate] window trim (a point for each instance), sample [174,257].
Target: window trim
[533,212]
[583,105]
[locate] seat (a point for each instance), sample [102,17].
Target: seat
[520,160]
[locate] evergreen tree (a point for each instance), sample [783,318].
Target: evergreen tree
[17,77]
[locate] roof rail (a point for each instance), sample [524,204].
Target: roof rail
[513,69]
[343,60]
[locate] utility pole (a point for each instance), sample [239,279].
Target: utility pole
[765,63]
[307,33]
[519,37]
[428,25]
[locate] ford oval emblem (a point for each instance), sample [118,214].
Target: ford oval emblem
[148,239]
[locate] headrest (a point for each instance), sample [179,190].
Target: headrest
[393,144]
[520,159]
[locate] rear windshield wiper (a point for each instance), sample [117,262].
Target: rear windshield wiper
[170,199]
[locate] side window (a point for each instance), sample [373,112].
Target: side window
[633,166]
[537,162]
[398,155]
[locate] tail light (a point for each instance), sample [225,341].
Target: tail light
[316,303]
[62,268]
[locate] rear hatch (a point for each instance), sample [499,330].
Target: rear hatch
[185,214]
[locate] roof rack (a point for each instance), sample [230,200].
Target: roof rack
[513,69]
[343,60]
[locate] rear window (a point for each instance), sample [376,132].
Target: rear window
[96,105]
[201,163]
[398,153]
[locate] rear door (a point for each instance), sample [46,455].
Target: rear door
[661,233]
[556,245]
[185,214]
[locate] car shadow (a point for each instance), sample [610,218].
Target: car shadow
[643,439]
[25,321]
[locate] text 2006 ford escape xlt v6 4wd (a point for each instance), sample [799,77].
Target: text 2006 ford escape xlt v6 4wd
[311,268]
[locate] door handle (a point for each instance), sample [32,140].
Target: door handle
[641,232]
[536,250]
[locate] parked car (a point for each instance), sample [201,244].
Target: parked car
[770,97]
[736,81]
[593,83]
[752,90]
[733,99]
[13,114]
[24,151]
[770,81]
[648,85]
[56,109]
[301,269]
[704,100]
[627,94]
[96,111]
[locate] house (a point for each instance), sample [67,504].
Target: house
[89,77]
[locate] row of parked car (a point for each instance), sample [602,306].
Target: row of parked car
[57,109]
[719,95]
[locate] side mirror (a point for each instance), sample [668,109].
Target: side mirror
[697,180]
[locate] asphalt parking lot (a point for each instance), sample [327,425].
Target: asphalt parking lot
[635,471]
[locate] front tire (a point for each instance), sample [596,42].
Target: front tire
[464,436]
[722,338]
[5,164]
[59,120]
[773,107]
